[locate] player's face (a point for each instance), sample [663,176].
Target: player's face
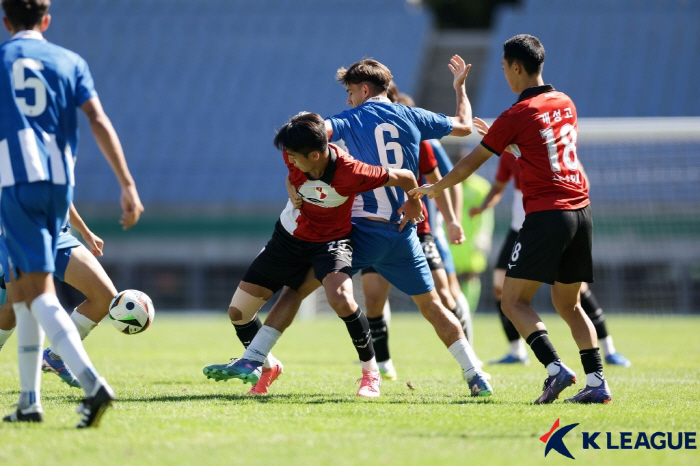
[303,163]
[357,95]
[509,71]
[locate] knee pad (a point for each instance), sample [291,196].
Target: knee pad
[247,304]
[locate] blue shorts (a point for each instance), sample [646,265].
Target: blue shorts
[66,243]
[34,215]
[396,255]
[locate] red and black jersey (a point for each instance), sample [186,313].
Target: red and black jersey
[426,164]
[508,169]
[540,130]
[325,212]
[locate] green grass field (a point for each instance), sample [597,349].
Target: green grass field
[168,413]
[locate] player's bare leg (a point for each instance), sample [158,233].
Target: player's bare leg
[376,290]
[338,288]
[7,318]
[450,332]
[516,299]
[518,352]
[590,305]
[85,274]
[565,298]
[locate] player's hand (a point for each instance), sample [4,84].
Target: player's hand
[474,211]
[481,126]
[296,199]
[460,70]
[94,243]
[427,189]
[455,233]
[131,207]
[413,211]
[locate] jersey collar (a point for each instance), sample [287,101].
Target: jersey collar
[328,174]
[28,34]
[379,98]
[535,90]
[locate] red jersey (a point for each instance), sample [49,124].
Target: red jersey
[541,130]
[426,164]
[325,212]
[508,169]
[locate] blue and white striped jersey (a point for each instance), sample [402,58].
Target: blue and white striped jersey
[379,132]
[41,87]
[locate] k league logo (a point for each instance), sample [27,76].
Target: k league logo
[554,439]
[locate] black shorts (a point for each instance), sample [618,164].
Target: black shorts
[554,245]
[430,249]
[506,250]
[285,260]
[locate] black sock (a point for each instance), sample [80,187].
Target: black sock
[590,358]
[247,332]
[595,313]
[380,337]
[542,347]
[358,328]
[508,327]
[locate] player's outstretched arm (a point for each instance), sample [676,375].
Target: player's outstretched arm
[412,208]
[109,144]
[491,200]
[444,203]
[94,242]
[462,121]
[463,168]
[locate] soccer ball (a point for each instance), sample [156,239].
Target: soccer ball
[131,311]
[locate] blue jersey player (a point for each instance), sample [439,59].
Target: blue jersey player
[41,87]
[380,132]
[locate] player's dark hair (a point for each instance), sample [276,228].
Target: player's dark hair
[304,133]
[393,92]
[368,71]
[25,14]
[526,50]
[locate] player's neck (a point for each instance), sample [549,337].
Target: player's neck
[320,168]
[530,81]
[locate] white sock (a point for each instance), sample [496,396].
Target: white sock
[606,344]
[386,366]
[30,341]
[5,335]
[465,356]
[82,323]
[262,344]
[64,338]
[553,368]
[517,348]
[594,379]
[270,361]
[370,365]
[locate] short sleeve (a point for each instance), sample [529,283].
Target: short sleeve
[426,158]
[359,177]
[431,125]
[501,134]
[339,124]
[84,85]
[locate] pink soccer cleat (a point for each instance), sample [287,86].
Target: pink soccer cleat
[268,376]
[369,384]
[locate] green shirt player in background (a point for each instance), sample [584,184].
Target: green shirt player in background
[471,257]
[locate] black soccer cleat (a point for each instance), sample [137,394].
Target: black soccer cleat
[93,407]
[19,416]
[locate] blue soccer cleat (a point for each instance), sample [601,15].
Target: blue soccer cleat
[479,386]
[616,359]
[510,359]
[51,362]
[555,384]
[600,394]
[244,369]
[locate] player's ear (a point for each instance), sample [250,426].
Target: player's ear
[45,22]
